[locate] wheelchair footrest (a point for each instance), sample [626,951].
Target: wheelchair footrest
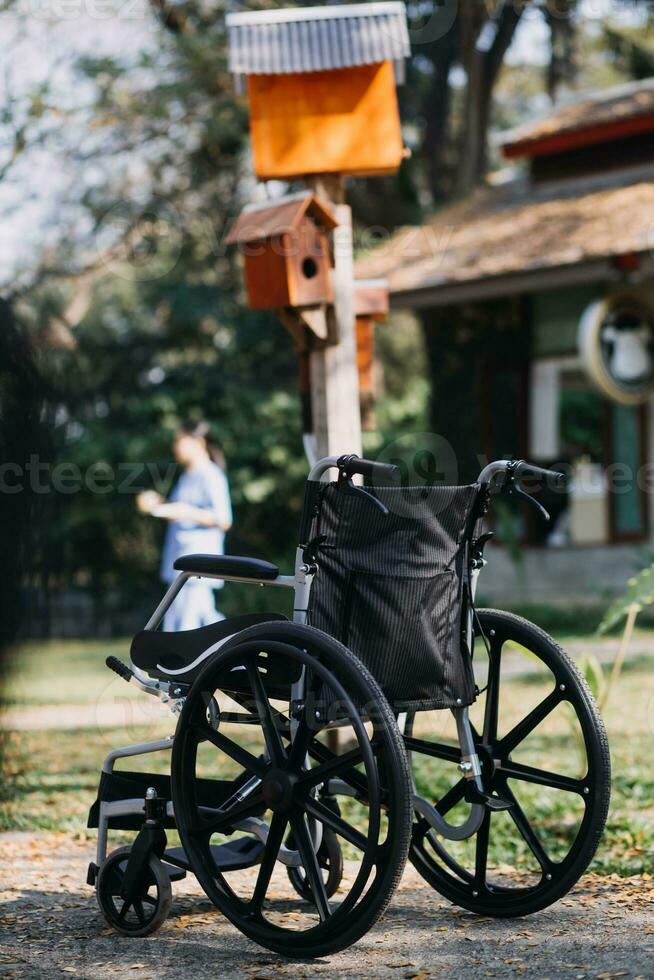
[174,873]
[492,801]
[244,852]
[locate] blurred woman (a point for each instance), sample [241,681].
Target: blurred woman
[199,513]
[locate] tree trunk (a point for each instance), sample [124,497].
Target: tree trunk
[562,67]
[485,47]
[436,112]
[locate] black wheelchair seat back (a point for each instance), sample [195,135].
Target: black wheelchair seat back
[391,587]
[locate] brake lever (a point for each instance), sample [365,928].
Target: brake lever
[373,500]
[516,491]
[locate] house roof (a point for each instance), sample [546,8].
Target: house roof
[604,116]
[272,219]
[291,40]
[513,231]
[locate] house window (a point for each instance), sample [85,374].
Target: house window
[603,444]
[628,502]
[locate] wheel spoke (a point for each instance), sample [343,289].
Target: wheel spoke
[451,798]
[250,719]
[481,851]
[238,718]
[541,777]
[491,709]
[138,908]
[337,765]
[271,851]
[519,818]
[306,729]
[424,831]
[268,724]
[227,818]
[230,748]
[311,866]
[330,819]
[451,753]
[124,909]
[300,745]
[527,725]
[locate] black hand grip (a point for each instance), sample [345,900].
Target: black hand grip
[349,465]
[526,471]
[118,667]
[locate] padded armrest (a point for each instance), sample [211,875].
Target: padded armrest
[254,568]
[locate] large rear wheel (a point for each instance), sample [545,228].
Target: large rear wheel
[279,688]
[544,752]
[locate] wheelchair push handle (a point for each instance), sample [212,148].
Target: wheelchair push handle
[350,466]
[527,471]
[507,472]
[507,477]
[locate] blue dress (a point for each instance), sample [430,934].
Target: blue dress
[205,487]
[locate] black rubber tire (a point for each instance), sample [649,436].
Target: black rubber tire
[594,789]
[381,865]
[330,859]
[107,890]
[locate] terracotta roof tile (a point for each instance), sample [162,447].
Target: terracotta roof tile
[497,233]
[603,109]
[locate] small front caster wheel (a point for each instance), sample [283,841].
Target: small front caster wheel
[142,915]
[330,860]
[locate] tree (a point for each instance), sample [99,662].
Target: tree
[484,41]
[562,67]
[634,50]
[136,309]
[22,434]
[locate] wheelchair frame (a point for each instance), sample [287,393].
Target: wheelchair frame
[300,582]
[478,759]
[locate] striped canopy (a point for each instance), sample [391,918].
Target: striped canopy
[293,40]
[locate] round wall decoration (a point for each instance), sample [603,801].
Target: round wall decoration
[616,343]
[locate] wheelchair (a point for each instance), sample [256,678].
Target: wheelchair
[311,755]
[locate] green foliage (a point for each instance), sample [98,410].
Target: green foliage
[139,313]
[509,528]
[632,48]
[164,332]
[639,593]
[569,619]
[593,674]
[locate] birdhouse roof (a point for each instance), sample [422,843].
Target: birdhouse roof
[371,298]
[292,40]
[270,220]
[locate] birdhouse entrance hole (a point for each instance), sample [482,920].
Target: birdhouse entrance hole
[310,268]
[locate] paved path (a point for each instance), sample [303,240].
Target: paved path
[51,927]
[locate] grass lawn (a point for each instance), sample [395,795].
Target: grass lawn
[50,775]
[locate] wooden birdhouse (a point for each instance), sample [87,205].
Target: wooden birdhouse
[287,252]
[321,83]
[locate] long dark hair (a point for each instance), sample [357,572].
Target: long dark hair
[201,429]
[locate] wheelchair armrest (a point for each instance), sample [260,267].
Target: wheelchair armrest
[227,565]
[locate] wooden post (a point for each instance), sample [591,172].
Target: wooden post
[335,405]
[334,376]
